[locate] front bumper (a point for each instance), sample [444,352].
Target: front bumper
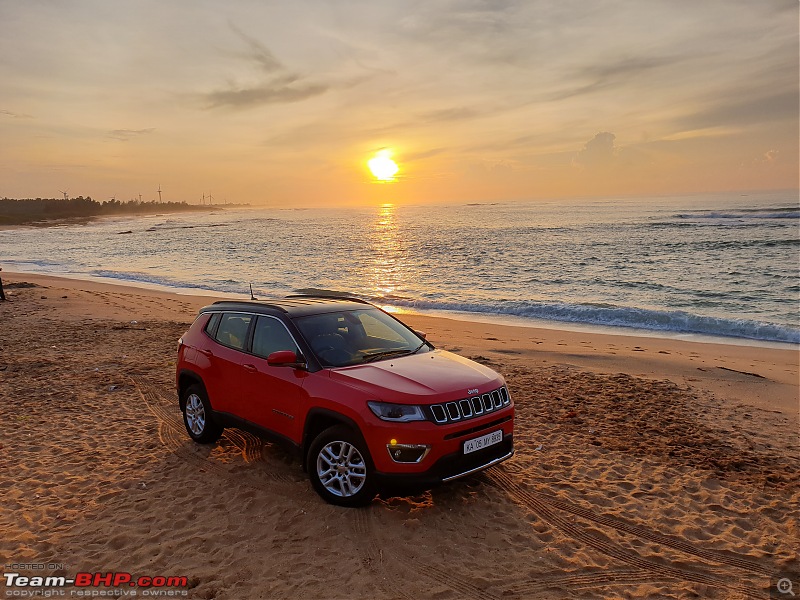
[453,466]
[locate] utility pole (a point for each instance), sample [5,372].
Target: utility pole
[159,193]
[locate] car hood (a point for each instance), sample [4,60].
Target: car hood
[435,376]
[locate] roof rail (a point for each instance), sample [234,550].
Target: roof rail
[329,297]
[267,303]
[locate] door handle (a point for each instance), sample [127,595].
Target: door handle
[250,368]
[206,352]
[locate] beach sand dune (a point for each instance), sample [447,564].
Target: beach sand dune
[637,474]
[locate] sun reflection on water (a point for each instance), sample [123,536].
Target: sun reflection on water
[388,273]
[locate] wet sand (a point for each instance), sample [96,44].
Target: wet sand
[645,467]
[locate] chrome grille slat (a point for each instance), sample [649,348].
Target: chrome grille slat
[505,396]
[439,414]
[467,408]
[452,411]
[496,399]
[477,407]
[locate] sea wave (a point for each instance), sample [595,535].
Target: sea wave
[786,212]
[620,316]
[227,286]
[169,225]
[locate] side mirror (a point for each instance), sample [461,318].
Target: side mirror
[284,358]
[421,334]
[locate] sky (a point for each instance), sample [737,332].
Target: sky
[283,103]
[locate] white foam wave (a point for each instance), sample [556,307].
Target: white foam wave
[628,317]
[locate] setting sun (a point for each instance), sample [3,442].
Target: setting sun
[382,166]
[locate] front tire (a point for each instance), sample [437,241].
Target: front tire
[340,468]
[198,417]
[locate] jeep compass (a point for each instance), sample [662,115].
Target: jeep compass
[364,399]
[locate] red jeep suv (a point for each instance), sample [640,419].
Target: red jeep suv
[364,399]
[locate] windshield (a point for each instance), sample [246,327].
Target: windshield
[358,336]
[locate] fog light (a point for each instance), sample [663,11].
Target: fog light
[407,453]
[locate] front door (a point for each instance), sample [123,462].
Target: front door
[273,395]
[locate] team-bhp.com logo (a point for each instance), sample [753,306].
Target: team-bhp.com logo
[94,585]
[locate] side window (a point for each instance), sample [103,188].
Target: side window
[374,328]
[232,330]
[271,336]
[211,326]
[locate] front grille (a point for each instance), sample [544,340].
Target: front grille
[461,410]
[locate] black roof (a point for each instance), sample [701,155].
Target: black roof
[294,306]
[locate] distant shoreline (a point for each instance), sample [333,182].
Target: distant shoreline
[49,212]
[59,221]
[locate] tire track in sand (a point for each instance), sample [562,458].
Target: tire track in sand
[374,558]
[724,558]
[606,578]
[171,433]
[578,532]
[250,446]
[463,588]
[381,559]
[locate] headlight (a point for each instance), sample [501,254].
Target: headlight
[399,413]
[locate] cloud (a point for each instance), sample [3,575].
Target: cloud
[435,117]
[124,135]
[14,115]
[627,67]
[770,157]
[598,152]
[450,114]
[478,31]
[258,52]
[757,109]
[266,94]
[611,74]
[422,155]
[281,85]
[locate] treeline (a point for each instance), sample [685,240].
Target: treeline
[32,210]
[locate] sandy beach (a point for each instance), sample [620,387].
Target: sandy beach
[645,467]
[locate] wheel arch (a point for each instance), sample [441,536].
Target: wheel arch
[187,378]
[320,419]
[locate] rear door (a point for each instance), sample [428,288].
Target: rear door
[224,386]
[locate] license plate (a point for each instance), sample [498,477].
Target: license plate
[479,443]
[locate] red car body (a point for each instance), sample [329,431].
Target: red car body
[460,415]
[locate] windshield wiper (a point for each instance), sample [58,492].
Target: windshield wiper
[386,354]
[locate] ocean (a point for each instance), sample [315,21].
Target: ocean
[722,265]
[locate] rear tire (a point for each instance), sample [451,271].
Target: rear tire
[340,468]
[198,416]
